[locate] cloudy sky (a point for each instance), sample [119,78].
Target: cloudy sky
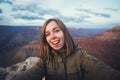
[74,13]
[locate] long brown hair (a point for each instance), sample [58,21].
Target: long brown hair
[45,49]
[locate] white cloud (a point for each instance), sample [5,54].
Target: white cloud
[26,22]
[23,2]
[34,12]
[6,17]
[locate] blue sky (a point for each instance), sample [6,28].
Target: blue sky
[74,13]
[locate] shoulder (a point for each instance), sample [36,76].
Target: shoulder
[83,55]
[78,51]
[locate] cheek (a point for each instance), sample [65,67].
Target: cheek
[62,37]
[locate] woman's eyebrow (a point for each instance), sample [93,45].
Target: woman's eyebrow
[55,28]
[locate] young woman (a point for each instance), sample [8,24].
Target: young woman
[62,59]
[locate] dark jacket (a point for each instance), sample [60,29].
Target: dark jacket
[76,66]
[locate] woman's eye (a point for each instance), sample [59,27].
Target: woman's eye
[57,30]
[46,34]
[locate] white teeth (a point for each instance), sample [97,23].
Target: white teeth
[55,42]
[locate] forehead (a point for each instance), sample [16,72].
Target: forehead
[51,25]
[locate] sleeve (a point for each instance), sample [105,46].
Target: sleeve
[97,70]
[37,72]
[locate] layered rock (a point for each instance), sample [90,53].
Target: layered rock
[113,33]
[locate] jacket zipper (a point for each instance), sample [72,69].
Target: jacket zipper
[65,67]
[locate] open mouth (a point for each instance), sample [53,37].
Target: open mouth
[55,42]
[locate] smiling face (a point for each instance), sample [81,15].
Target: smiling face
[54,35]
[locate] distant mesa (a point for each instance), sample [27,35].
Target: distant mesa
[113,33]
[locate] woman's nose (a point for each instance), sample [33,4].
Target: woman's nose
[52,36]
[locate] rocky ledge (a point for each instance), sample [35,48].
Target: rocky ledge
[8,72]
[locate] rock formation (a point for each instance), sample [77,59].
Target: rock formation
[8,72]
